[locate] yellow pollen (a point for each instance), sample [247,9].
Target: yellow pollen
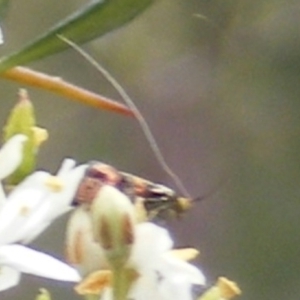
[94,283]
[185,254]
[228,289]
[54,184]
[24,211]
[40,135]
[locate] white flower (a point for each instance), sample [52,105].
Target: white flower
[160,274]
[10,158]
[37,201]
[27,211]
[100,234]
[15,259]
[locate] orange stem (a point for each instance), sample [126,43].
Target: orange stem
[63,88]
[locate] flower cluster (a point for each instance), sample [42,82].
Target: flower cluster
[27,211]
[112,252]
[121,258]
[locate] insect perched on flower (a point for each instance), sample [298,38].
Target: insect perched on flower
[158,200]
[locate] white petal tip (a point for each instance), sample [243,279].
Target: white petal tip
[1,37]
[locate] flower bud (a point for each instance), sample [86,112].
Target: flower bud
[113,221]
[21,121]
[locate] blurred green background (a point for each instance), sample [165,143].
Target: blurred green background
[219,83]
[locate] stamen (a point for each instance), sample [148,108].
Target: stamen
[94,283]
[186,254]
[54,184]
[24,211]
[228,288]
[40,135]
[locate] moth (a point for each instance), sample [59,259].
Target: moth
[159,201]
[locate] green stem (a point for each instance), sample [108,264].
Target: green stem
[121,283]
[91,297]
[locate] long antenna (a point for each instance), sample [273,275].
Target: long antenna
[144,125]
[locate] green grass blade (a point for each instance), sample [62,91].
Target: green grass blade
[95,19]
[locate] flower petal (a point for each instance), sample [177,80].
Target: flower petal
[1,37]
[8,277]
[35,224]
[70,180]
[151,242]
[178,278]
[172,265]
[177,288]
[37,263]
[67,165]
[2,196]
[167,280]
[145,288]
[33,205]
[22,204]
[162,275]
[55,203]
[11,155]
